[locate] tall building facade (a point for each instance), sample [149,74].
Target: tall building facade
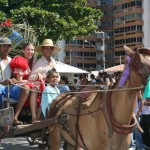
[81,53]
[125,22]
[128,26]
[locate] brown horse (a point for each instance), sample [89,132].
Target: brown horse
[104,123]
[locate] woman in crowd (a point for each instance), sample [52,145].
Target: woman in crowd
[93,79]
[84,79]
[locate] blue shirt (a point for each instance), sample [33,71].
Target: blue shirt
[48,95]
[63,88]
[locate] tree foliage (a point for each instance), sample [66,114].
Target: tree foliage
[56,19]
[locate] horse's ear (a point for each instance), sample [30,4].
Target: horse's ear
[128,50]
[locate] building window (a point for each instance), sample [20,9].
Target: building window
[67,53]
[139,3]
[120,53]
[79,54]
[129,28]
[79,65]
[128,5]
[106,2]
[139,39]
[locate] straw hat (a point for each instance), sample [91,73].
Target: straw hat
[47,42]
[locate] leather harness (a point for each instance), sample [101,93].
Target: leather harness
[105,104]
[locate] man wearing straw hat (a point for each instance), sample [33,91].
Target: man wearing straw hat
[38,73]
[46,62]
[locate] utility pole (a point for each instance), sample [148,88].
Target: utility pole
[98,52]
[70,56]
[103,37]
[120,59]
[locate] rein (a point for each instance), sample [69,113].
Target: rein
[117,127]
[105,107]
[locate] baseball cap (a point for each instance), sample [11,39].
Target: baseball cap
[5,41]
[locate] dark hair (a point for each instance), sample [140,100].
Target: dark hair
[80,76]
[65,78]
[26,44]
[84,75]
[92,76]
[50,72]
[75,80]
[32,60]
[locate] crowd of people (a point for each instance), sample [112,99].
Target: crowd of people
[25,69]
[41,84]
[102,81]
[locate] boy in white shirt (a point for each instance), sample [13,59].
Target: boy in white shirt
[5,72]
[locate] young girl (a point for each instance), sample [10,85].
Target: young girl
[21,67]
[51,91]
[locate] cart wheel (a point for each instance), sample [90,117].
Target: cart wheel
[30,140]
[46,141]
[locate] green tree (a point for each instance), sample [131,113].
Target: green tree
[56,19]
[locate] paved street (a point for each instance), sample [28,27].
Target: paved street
[19,143]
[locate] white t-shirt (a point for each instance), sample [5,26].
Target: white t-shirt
[5,71]
[41,66]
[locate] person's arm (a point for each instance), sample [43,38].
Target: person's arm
[35,75]
[5,82]
[8,81]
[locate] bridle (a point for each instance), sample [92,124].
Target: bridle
[136,63]
[117,127]
[136,66]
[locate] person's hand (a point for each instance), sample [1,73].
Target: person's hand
[13,81]
[40,77]
[137,114]
[9,81]
[147,102]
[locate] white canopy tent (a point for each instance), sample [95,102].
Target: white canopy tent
[69,71]
[111,69]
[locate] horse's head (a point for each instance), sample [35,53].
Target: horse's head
[140,62]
